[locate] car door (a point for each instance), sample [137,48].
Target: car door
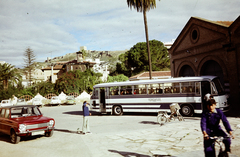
[2,113]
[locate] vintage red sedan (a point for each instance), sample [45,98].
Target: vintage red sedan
[24,120]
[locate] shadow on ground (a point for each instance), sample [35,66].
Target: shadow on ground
[126,154]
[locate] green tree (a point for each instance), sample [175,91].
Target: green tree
[135,60]
[8,73]
[77,81]
[144,6]
[118,78]
[29,58]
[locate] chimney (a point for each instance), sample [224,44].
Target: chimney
[79,56]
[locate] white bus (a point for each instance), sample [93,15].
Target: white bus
[157,95]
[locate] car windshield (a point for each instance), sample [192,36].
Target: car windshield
[20,100]
[70,97]
[24,111]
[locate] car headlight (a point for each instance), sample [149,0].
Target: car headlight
[51,123]
[22,128]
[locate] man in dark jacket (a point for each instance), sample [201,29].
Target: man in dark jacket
[210,127]
[86,114]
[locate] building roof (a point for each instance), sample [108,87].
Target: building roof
[56,67]
[155,75]
[221,23]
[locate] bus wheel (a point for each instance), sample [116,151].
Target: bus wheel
[186,110]
[117,110]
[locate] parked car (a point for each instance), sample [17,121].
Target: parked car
[37,102]
[21,102]
[55,101]
[24,120]
[6,103]
[71,100]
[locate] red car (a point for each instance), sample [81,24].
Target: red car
[24,120]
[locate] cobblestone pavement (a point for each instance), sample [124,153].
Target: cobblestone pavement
[180,139]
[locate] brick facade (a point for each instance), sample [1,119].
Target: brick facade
[210,48]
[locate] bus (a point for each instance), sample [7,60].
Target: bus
[157,95]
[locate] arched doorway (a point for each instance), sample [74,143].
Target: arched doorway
[211,67]
[186,70]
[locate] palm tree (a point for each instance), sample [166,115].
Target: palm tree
[8,73]
[144,6]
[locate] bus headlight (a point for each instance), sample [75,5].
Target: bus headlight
[51,123]
[22,128]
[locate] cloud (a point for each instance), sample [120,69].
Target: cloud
[56,27]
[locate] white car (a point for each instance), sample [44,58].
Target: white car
[21,102]
[6,103]
[37,102]
[55,101]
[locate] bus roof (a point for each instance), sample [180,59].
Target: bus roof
[170,80]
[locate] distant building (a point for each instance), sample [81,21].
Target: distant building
[155,75]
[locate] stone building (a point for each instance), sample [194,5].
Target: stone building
[210,48]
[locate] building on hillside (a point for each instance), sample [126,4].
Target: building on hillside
[101,67]
[155,75]
[207,47]
[51,72]
[55,70]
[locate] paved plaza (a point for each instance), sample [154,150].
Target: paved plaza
[130,135]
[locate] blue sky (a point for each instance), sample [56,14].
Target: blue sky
[55,27]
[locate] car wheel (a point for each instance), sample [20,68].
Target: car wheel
[15,139]
[49,133]
[186,110]
[117,110]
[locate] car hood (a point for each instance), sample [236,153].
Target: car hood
[33,119]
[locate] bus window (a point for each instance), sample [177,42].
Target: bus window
[95,92]
[219,86]
[135,89]
[128,90]
[197,87]
[175,88]
[214,90]
[122,90]
[168,88]
[125,90]
[142,89]
[155,89]
[114,90]
[188,87]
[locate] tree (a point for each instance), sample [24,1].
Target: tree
[135,60]
[29,63]
[118,78]
[8,73]
[77,81]
[143,6]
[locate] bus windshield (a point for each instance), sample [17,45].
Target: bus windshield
[218,86]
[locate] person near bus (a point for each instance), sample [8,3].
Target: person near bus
[86,114]
[210,127]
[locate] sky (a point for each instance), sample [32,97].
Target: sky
[54,28]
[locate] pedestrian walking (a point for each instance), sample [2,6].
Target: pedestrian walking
[86,114]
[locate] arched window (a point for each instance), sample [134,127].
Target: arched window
[211,67]
[186,70]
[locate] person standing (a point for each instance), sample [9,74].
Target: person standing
[86,114]
[210,127]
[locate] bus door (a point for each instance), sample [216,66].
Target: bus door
[102,100]
[205,89]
